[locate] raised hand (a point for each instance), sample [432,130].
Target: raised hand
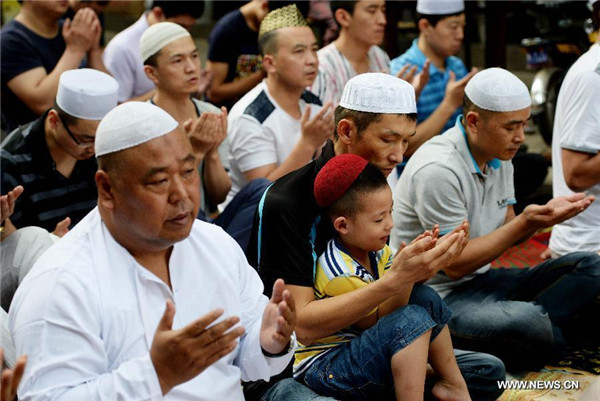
[455,90]
[279,320]
[420,80]
[62,227]
[180,355]
[207,132]
[407,73]
[81,32]
[7,202]
[557,210]
[11,378]
[320,128]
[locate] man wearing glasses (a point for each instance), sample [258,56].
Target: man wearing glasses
[51,157]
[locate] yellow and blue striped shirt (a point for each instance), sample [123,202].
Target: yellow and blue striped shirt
[338,273]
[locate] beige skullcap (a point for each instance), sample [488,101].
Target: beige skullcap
[158,36]
[283,17]
[131,124]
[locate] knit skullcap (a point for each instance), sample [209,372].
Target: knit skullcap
[336,177]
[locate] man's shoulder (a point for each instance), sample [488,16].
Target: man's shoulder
[255,104]
[18,142]
[228,26]
[311,98]
[456,64]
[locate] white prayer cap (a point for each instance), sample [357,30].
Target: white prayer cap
[440,7]
[376,92]
[158,36]
[131,124]
[496,89]
[86,93]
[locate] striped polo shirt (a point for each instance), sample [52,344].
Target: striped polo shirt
[337,273]
[335,70]
[49,196]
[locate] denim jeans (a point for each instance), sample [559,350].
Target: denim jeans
[517,314]
[361,368]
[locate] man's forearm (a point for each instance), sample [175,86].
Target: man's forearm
[230,90]
[431,127]
[482,250]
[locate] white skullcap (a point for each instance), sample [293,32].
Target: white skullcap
[158,36]
[440,7]
[86,93]
[131,124]
[376,92]
[496,89]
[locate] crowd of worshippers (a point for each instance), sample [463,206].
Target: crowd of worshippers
[291,223]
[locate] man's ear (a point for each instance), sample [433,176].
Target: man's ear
[423,25]
[471,120]
[105,190]
[346,131]
[158,14]
[53,118]
[341,225]
[268,63]
[151,74]
[343,17]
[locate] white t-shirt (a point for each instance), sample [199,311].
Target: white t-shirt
[123,60]
[261,133]
[577,127]
[87,313]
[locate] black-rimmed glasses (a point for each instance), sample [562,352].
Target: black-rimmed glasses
[83,144]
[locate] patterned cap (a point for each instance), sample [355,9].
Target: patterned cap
[283,17]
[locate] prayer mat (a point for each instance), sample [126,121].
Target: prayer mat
[552,386]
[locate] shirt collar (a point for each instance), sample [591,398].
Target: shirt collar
[419,58]
[494,163]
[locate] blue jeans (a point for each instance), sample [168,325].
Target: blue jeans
[517,314]
[361,368]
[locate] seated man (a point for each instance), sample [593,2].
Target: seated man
[355,51]
[52,157]
[36,49]
[375,120]
[576,151]
[122,54]
[358,202]
[441,32]
[279,126]
[172,63]
[91,314]
[516,314]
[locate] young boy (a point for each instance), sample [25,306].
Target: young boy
[358,201]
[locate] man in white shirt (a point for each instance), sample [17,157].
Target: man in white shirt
[279,126]
[91,314]
[576,151]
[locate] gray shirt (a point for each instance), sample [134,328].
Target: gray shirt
[443,185]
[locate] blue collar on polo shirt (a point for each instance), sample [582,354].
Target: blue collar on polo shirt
[494,163]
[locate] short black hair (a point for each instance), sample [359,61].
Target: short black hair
[173,8]
[362,119]
[370,180]
[434,19]
[64,116]
[344,5]
[152,60]
[267,43]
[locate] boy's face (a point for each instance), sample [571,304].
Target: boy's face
[447,36]
[369,229]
